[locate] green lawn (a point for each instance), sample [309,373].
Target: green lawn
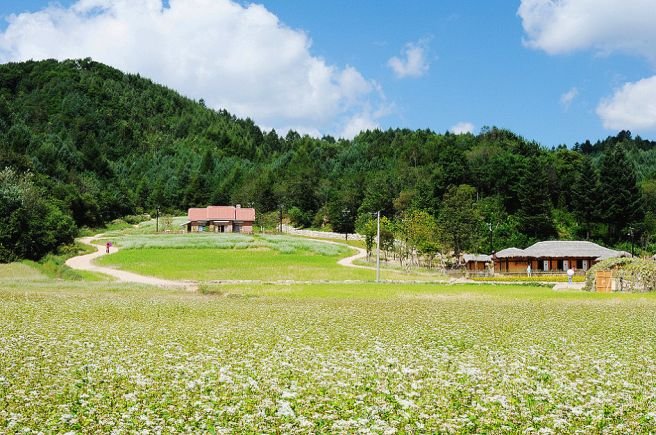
[347,358]
[233,264]
[203,257]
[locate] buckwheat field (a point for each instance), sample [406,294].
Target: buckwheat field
[102,357]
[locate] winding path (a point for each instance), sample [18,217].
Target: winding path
[318,235]
[86,262]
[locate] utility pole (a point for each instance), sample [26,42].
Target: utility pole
[632,238]
[489,225]
[157,221]
[378,248]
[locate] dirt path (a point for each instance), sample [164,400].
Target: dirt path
[288,229]
[86,262]
[319,235]
[348,261]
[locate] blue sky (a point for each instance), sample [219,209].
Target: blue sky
[555,72]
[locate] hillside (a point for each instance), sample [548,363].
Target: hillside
[98,144]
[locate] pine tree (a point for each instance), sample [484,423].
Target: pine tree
[620,195]
[586,198]
[459,219]
[534,202]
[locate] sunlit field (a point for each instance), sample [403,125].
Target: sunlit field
[207,257]
[223,264]
[346,358]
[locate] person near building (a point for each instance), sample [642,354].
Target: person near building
[570,275]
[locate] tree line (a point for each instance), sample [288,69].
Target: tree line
[94,144]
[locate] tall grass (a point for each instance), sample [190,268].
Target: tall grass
[282,244]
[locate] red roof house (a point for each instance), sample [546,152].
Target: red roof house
[220,219]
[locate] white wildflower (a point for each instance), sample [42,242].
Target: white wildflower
[285,409]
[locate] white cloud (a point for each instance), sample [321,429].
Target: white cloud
[462,128]
[567,98]
[633,106]
[240,58]
[413,62]
[605,26]
[357,124]
[366,119]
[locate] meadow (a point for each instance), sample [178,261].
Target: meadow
[207,257]
[341,358]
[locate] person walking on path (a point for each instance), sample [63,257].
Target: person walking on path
[570,275]
[528,270]
[107,246]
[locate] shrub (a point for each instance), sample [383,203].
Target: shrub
[299,218]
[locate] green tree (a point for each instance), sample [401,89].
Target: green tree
[31,226]
[459,220]
[534,202]
[586,200]
[342,217]
[298,217]
[620,196]
[367,226]
[416,232]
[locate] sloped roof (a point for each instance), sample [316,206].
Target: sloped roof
[563,249]
[197,214]
[221,212]
[476,257]
[245,214]
[510,253]
[575,248]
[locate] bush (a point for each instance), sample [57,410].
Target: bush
[299,218]
[137,218]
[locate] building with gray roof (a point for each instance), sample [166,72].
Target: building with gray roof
[553,256]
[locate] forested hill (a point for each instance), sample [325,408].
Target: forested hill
[82,143]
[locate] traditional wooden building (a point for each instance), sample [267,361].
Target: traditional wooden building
[553,257]
[220,219]
[510,260]
[476,262]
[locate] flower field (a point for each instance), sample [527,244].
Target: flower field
[103,357]
[528,279]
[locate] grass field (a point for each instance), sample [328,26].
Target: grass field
[233,264]
[346,358]
[203,257]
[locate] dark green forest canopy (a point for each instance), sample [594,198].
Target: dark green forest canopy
[100,144]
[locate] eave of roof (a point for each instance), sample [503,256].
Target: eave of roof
[476,257]
[562,249]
